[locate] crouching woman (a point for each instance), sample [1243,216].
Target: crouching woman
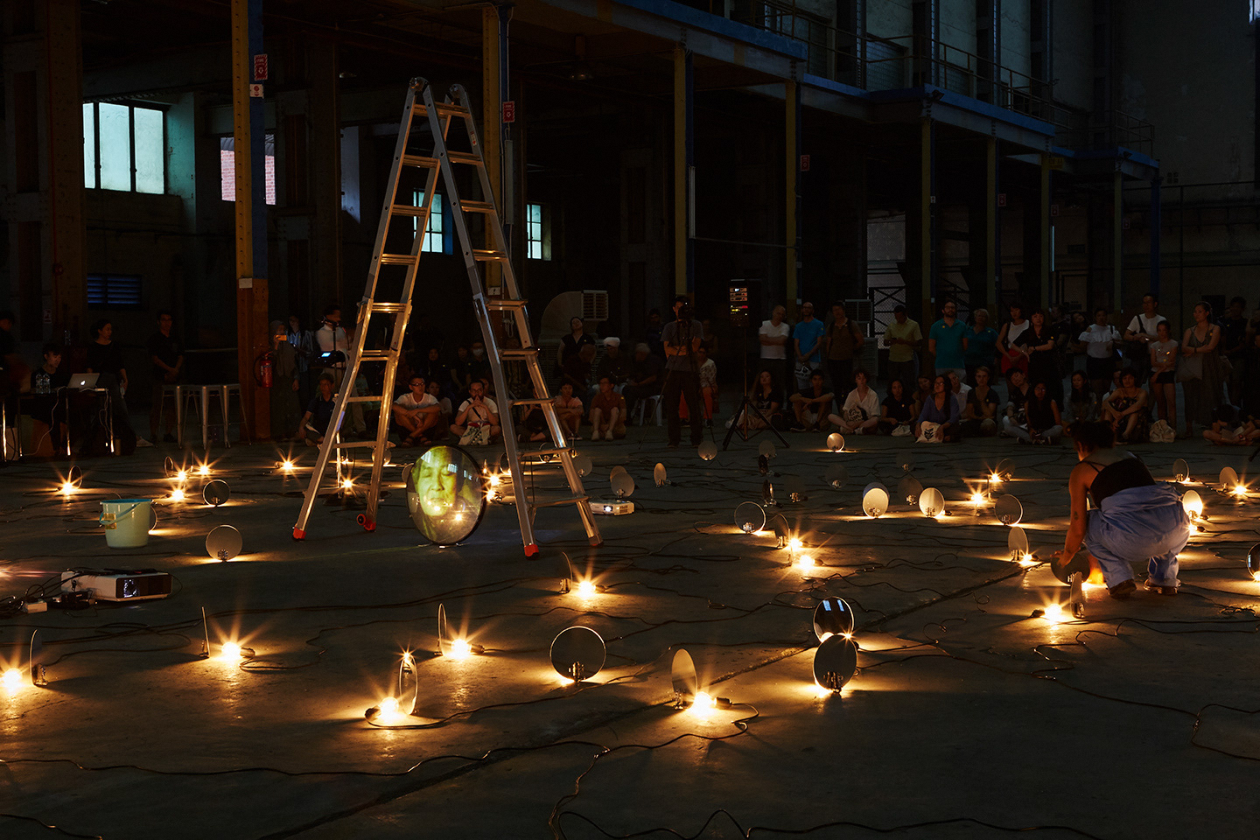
[1134,518]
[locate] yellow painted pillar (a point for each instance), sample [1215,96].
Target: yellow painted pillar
[241,136]
[991,263]
[680,170]
[792,168]
[1043,198]
[492,127]
[925,224]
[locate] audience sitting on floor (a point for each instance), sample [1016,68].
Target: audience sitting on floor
[898,410]
[568,409]
[1081,405]
[417,413]
[938,419]
[477,422]
[1125,409]
[615,364]
[1042,421]
[1017,394]
[608,412]
[980,415]
[644,379]
[860,413]
[319,413]
[1230,428]
[812,405]
[766,399]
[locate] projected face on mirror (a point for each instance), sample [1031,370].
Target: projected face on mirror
[445,495]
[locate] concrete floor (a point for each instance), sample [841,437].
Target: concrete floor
[967,719]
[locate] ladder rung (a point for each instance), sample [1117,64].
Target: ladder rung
[368,398]
[476,206]
[533,401]
[464,157]
[420,161]
[541,453]
[398,259]
[483,255]
[451,109]
[358,444]
[571,500]
[518,352]
[376,355]
[504,303]
[408,210]
[388,307]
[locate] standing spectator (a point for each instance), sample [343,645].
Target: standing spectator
[941,411]
[654,328]
[1007,338]
[1200,371]
[1081,405]
[478,419]
[303,342]
[319,412]
[645,376]
[608,412]
[844,344]
[104,357]
[615,365]
[331,337]
[773,337]
[1125,409]
[980,415]
[568,410]
[1078,325]
[168,362]
[947,342]
[283,394]
[1044,423]
[1141,332]
[981,345]
[1037,343]
[860,413]
[417,413]
[898,410]
[812,405]
[1234,341]
[682,338]
[903,339]
[572,344]
[807,339]
[1099,342]
[1163,374]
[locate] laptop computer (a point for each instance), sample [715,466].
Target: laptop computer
[84,380]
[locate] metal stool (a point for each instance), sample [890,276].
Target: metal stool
[205,393]
[228,390]
[175,392]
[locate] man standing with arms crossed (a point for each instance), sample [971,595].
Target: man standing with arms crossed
[903,338]
[807,339]
[168,362]
[947,342]
[774,337]
[681,339]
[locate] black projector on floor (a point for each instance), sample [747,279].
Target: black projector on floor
[117,585]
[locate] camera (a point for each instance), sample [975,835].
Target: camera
[684,311]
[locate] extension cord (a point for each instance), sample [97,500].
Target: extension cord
[30,607]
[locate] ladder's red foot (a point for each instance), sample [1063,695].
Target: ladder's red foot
[597,542]
[368,524]
[531,550]
[299,534]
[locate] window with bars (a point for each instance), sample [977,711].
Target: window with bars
[537,239]
[227,168]
[435,236]
[124,147]
[114,291]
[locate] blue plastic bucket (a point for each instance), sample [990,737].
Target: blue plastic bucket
[126,522]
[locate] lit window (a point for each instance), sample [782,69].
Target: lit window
[1255,10]
[124,148]
[537,243]
[227,169]
[437,223]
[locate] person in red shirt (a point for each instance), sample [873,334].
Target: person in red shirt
[608,412]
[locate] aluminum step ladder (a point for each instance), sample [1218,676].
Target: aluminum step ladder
[420,107]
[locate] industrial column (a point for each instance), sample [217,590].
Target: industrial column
[249,139]
[492,46]
[684,159]
[1156,223]
[992,257]
[793,166]
[1117,243]
[927,224]
[1045,257]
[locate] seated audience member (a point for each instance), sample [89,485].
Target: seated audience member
[959,389]
[478,364]
[1251,373]
[434,389]
[43,406]
[861,408]
[615,365]
[812,405]
[568,408]
[766,398]
[938,419]
[1043,422]
[1018,395]
[319,413]
[608,412]
[477,422]
[898,410]
[1229,428]
[1082,402]
[980,417]
[922,393]
[417,413]
[461,376]
[644,378]
[1125,409]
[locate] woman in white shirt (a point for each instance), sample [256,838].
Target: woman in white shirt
[1163,373]
[1100,342]
[861,408]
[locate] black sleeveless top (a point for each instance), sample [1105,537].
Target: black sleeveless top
[1117,476]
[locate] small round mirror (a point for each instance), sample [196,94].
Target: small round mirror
[875,499]
[622,485]
[683,675]
[932,502]
[708,450]
[446,495]
[215,492]
[1181,470]
[659,475]
[1008,510]
[224,543]
[832,617]
[909,489]
[578,653]
[583,464]
[836,475]
[1017,542]
[766,449]
[835,663]
[835,442]
[750,517]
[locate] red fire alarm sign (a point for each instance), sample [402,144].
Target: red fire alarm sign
[509,111]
